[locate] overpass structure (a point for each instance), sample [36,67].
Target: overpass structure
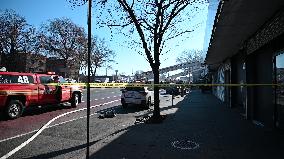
[189,69]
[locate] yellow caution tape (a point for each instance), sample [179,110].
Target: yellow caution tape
[121,85]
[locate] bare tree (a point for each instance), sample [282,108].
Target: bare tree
[64,39]
[101,55]
[190,56]
[16,35]
[154,22]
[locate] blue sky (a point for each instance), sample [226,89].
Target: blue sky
[280,61]
[37,12]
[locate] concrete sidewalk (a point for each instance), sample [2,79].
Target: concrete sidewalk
[201,128]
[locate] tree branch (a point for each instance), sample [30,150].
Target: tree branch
[139,30]
[179,34]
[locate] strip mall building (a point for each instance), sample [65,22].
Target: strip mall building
[247,47]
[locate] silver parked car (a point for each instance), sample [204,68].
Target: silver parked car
[142,96]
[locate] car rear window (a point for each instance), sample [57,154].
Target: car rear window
[135,88]
[10,79]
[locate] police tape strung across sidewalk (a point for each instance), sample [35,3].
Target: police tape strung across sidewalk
[121,85]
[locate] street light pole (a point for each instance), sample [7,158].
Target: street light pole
[89,72]
[116,75]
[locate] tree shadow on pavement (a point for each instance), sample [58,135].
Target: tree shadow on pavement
[143,140]
[31,111]
[44,109]
[75,148]
[119,110]
[216,131]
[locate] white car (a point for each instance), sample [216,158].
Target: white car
[69,80]
[143,96]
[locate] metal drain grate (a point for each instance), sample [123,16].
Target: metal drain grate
[185,144]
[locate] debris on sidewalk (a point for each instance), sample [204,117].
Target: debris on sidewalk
[142,119]
[185,144]
[107,114]
[156,120]
[150,119]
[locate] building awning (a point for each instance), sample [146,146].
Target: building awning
[235,22]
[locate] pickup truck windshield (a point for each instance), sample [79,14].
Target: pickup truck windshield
[62,80]
[48,79]
[45,79]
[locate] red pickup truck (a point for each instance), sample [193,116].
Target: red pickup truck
[21,90]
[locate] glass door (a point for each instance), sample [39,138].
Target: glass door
[279,91]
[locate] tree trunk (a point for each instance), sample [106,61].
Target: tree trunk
[12,50]
[94,74]
[156,112]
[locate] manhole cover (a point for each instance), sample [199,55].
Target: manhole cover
[185,144]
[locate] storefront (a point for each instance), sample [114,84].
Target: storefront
[279,91]
[222,76]
[247,48]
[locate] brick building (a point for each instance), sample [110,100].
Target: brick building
[23,62]
[27,62]
[67,69]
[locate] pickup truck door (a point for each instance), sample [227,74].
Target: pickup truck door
[66,93]
[45,94]
[66,90]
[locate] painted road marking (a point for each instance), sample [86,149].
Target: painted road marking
[17,136]
[46,126]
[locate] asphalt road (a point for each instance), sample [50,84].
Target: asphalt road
[15,132]
[34,118]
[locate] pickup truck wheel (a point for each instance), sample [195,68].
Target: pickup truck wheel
[14,109]
[75,100]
